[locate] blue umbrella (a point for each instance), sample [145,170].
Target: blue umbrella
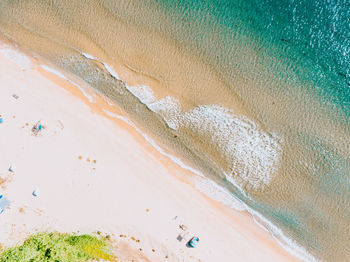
[193,242]
[4,203]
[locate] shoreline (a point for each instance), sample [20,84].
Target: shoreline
[171,168]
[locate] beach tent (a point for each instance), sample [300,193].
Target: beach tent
[193,242]
[4,203]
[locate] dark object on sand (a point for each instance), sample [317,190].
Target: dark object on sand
[183,227]
[4,203]
[37,128]
[11,169]
[182,236]
[15,96]
[193,242]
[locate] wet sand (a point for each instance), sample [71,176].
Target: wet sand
[96,172]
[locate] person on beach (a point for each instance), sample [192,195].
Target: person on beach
[37,128]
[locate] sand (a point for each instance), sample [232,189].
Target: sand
[94,172]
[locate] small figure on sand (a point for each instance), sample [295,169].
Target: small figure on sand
[37,128]
[183,227]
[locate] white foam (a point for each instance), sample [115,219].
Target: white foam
[220,194]
[88,56]
[143,93]
[109,68]
[252,153]
[60,75]
[169,108]
[18,58]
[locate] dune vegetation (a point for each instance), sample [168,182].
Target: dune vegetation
[60,247]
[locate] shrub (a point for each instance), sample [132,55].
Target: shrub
[57,247]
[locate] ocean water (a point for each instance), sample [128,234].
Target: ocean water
[254,94]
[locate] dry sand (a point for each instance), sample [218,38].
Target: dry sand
[95,172]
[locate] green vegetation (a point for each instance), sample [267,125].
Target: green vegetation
[56,247]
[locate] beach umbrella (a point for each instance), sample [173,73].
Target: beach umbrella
[193,242]
[4,203]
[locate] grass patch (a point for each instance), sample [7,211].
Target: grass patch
[57,247]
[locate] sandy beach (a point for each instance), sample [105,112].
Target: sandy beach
[94,171]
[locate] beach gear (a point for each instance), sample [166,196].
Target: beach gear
[37,128]
[1,120]
[193,242]
[183,227]
[4,203]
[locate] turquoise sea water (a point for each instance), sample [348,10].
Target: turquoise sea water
[311,40]
[288,62]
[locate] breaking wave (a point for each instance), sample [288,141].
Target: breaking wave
[253,155]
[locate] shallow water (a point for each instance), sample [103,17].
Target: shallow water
[256,94]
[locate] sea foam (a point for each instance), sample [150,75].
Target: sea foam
[253,155]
